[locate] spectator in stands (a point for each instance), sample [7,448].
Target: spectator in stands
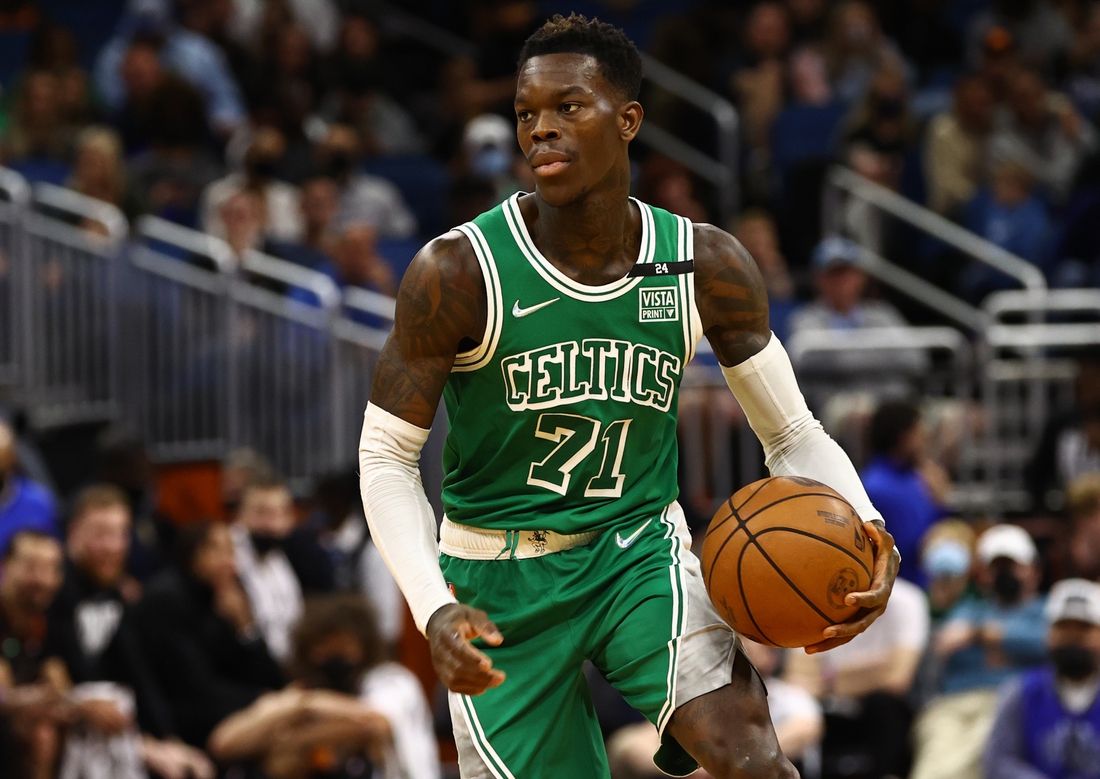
[883,119]
[1083,507]
[24,504]
[263,522]
[180,51]
[318,205]
[807,20]
[357,263]
[841,308]
[956,147]
[37,131]
[1042,132]
[904,484]
[357,563]
[241,468]
[945,562]
[856,50]
[99,170]
[31,676]
[92,617]
[864,686]
[55,49]
[982,643]
[362,198]
[141,73]
[490,153]
[797,716]
[1048,721]
[200,635]
[243,218]
[1070,444]
[169,177]
[347,704]
[1082,82]
[757,81]
[757,232]
[281,200]
[667,184]
[1038,27]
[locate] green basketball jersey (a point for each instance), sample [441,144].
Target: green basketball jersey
[564,417]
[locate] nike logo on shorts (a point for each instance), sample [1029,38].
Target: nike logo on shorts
[519,313]
[625,543]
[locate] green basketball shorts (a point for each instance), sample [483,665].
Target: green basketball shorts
[632,601]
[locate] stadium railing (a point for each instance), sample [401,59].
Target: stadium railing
[14,196]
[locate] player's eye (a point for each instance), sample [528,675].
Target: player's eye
[570,108]
[523,116]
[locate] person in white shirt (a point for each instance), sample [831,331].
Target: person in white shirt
[264,520]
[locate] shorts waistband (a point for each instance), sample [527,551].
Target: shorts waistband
[475,543]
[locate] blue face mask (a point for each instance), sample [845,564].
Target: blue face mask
[490,162]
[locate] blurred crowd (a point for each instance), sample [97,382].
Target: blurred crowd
[262,638]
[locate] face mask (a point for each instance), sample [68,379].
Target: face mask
[1007,587]
[1073,662]
[264,542]
[340,164]
[262,168]
[490,162]
[340,675]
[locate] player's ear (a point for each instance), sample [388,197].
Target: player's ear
[630,120]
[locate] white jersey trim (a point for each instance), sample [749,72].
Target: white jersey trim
[480,356]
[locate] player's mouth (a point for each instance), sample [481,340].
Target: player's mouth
[549,163]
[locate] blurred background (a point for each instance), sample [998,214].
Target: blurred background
[206,207]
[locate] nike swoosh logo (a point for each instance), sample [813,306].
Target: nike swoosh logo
[626,542]
[519,313]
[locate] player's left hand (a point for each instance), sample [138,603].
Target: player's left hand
[873,602]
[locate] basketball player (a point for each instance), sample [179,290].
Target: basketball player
[556,328]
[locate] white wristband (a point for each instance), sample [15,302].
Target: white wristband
[794,442]
[402,523]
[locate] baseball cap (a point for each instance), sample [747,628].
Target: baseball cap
[1010,541]
[834,251]
[488,130]
[945,557]
[1076,599]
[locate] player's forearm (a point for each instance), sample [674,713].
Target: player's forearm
[402,522]
[794,442]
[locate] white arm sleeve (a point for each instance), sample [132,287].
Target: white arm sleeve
[402,523]
[794,442]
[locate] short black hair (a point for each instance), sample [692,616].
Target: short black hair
[620,62]
[23,535]
[891,421]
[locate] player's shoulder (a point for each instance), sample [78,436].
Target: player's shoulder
[449,259]
[716,249]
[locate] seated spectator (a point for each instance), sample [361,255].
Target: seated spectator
[1038,27]
[864,686]
[1083,507]
[757,232]
[346,705]
[1070,445]
[796,714]
[92,617]
[1009,214]
[757,80]
[141,73]
[945,561]
[24,504]
[490,153]
[243,217]
[99,170]
[883,119]
[806,129]
[170,176]
[281,200]
[263,523]
[982,643]
[318,205]
[383,123]
[1047,722]
[841,308]
[371,200]
[856,49]
[357,563]
[37,129]
[179,51]
[1042,132]
[956,147]
[199,633]
[357,263]
[1083,80]
[899,479]
[667,184]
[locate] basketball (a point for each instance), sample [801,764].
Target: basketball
[780,556]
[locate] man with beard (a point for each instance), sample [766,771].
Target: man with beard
[983,643]
[1048,721]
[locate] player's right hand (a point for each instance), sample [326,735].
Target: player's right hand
[461,667]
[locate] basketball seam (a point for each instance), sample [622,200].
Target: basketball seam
[745,502]
[790,584]
[726,540]
[745,600]
[833,544]
[768,506]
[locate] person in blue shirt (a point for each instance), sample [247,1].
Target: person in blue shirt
[896,482]
[1048,721]
[984,642]
[24,504]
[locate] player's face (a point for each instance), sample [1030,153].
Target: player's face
[573,127]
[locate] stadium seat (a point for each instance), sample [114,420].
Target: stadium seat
[399,252]
[36,170]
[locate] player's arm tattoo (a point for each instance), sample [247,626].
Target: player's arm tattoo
[441,311]
[730,294]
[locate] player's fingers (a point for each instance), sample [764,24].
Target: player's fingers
[479,624]
[466,654]
[825,646]
[855,626]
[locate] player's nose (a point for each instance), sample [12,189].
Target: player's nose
[545,130]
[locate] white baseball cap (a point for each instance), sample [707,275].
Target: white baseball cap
[1010,541]
[1077,599]
[489,130]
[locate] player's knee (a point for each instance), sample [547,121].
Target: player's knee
[726,761]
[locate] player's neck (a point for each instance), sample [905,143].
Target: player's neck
[593,240]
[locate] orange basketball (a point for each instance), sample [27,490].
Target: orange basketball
[780,556]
